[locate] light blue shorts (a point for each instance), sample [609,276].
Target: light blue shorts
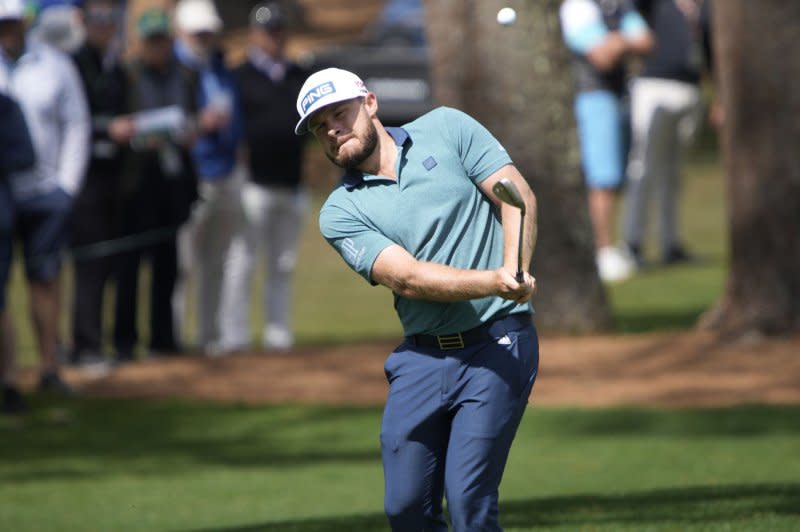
[602,130]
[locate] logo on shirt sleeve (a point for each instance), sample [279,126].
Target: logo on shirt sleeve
[351,252]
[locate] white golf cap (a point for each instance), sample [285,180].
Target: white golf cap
[12,9]
[323,88]
[197,16]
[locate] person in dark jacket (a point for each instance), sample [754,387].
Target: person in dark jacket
[275,202]
[159,186]
[16,153]
[94,216]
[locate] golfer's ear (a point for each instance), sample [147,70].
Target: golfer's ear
[371,103]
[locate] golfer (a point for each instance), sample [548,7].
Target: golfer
[415,212]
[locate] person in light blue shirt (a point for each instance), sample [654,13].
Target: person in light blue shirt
[416,213]
[602,35]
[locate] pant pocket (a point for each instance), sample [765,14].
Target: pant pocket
[525,349]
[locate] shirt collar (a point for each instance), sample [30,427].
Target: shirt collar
[399,135]
[273,68]
[353,178]
[188,57]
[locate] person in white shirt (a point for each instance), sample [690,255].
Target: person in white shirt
[47,88]
[275,200]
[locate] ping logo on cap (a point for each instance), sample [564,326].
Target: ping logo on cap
[320,91]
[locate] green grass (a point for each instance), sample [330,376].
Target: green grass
[139,465]
[663,298]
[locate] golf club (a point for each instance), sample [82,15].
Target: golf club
[507,192]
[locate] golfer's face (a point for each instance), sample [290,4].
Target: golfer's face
[343,131]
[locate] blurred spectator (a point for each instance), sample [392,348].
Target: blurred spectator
[205,242]
[48,90]
[43,5]
[274,201]
[16,153]
[159,187]
[59,24]
[601,35]
[665,112]
[94,217]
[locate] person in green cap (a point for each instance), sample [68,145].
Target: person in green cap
[161,183]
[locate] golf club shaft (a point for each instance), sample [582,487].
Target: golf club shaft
[520,273]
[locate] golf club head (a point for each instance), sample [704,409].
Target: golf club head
[508,193]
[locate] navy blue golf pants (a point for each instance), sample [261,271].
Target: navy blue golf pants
[448,424]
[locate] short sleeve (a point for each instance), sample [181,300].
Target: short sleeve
[481,154]
[632,24]
[357,243]
[582,25]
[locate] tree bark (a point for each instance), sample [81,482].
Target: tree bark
[517,81]
[758,73]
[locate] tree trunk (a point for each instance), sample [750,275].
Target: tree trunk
[517,81]
[758,72]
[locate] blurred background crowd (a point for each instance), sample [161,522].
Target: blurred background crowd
[135,136]
[142,153]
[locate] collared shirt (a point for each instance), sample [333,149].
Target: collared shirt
[266,64]
[214,152]
[48,89]
[434,209]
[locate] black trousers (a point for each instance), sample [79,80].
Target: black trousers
[163,258]
[150,217]
[91,224]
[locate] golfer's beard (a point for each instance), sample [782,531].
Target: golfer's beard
[353,161]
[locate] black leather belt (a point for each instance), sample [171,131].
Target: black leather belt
[477,335]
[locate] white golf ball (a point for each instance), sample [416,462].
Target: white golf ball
[506,16]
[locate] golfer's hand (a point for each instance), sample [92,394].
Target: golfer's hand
[509,288]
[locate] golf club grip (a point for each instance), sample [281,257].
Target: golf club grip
[520,277]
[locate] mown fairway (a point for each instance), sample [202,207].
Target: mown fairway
[137,465]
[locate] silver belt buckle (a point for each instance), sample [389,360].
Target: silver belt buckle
[450,341]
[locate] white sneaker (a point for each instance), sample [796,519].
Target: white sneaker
[277,338]
[614,265]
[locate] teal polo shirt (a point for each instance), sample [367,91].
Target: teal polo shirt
[434,210]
